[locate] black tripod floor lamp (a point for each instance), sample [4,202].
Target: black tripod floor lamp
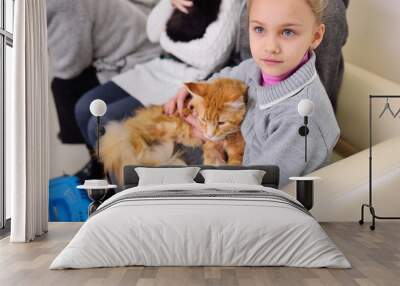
[370,203]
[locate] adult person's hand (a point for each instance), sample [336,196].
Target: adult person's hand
[182,5]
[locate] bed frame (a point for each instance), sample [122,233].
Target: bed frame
[270,179]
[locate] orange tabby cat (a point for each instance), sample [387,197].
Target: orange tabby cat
[145,137]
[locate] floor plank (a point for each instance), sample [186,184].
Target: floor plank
[375,257]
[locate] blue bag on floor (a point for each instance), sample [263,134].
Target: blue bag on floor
[66,202]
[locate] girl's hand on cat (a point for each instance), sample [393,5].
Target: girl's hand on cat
[196,129]
[182,5]
[176,102]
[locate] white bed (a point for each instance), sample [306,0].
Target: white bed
[224,225]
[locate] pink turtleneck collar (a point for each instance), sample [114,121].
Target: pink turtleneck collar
[267,80]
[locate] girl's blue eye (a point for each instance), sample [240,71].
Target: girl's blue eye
[288,33]
[259,29]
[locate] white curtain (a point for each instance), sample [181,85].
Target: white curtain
[27,139]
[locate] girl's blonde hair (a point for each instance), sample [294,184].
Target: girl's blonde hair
[317,6]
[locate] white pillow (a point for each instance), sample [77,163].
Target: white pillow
[248,177]
[163,176]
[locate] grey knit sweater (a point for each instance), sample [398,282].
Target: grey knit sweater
[271,124]
[329,61]
[108,34]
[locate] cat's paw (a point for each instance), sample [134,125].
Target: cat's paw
[220,162]
[214,162]
[235,162]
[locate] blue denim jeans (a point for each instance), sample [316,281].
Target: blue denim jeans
[120,105]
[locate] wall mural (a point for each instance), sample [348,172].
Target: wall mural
[163,72]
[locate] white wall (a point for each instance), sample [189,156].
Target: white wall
[374,40]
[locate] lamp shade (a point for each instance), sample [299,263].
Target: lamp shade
[305,107]
[98,107]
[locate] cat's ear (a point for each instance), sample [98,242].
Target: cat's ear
[196,88]
[237,104]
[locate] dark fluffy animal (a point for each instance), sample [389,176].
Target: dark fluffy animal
[183,27]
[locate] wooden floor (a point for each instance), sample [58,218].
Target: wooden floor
[375,257]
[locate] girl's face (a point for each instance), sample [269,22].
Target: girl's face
[281,32]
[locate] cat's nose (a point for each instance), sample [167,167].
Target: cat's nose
[210,131]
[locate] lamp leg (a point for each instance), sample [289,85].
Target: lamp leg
[305,139]
[305,151]
[98,136]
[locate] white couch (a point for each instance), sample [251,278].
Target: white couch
[344,185]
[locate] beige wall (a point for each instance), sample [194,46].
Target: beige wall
[374,40]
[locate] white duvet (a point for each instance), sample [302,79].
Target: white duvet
[200,231]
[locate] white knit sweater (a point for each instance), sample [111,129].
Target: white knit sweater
[156,81]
